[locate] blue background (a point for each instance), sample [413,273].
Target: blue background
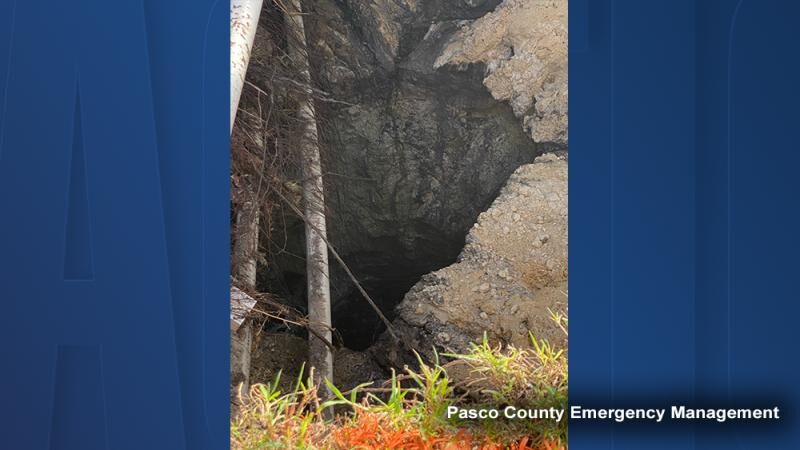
[114,175]
[114,220]
[684,216]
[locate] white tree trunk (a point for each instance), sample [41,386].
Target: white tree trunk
[244,23]
[245,257]
[244,270]
[319,294]
[245,247]
[241,339]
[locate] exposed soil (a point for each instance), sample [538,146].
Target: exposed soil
[287,353]
[511,274]
[436,105]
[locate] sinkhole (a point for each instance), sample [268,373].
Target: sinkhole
[384,269]
[409,166]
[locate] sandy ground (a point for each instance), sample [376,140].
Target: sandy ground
[511,273]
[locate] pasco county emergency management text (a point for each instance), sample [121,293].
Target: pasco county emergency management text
[577,412]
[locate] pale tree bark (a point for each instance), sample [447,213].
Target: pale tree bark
[244,23]
[245,247]
[319,294]
[245,253]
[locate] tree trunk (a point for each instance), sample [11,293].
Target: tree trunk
[319,295]
[245,247]
[244,23]
[245,253]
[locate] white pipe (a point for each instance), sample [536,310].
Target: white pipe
[244,22]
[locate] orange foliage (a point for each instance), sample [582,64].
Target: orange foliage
[371,431]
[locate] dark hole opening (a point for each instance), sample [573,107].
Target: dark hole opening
[386,277]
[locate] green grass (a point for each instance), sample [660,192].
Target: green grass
[409,411]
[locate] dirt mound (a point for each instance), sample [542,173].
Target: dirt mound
[524,46]
[512,271]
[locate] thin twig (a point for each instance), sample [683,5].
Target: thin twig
[345,267]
